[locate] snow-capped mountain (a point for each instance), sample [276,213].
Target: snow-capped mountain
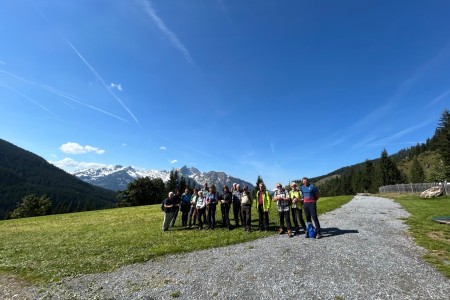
[117,178]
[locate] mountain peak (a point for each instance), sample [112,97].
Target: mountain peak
[118,177]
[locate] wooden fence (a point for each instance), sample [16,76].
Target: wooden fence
[413,188]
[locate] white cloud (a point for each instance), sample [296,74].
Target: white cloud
[173,161]
[71,165]
[75,148]
[163,148]
[116,86]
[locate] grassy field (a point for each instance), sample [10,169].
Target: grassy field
[44,249]
[433,236]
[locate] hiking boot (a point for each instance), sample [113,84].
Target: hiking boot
[280,230]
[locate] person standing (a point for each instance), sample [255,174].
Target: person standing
[192,217]
[263,203]
[281,196]
[211,206]
[237,194]
[205,192]
[226,199]
[296,208]
[176,206]
[310,196]
[185,207]
[246,210]
[201,209]
[168,211]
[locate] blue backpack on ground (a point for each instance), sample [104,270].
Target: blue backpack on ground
[310,231]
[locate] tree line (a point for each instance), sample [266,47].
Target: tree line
[145,191]
[372,174]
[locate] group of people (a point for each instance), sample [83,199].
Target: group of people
[200,207]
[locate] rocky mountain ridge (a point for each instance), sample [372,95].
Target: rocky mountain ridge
[118,177]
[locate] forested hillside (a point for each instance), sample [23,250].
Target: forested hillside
[425,162]
[23,173]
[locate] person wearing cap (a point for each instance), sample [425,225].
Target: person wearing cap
[263,202]
[281,196]
[246,209]
[310,196]
[168,211]
[296,208]
[237,194]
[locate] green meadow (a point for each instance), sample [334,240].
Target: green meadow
[45,249]
[433,236]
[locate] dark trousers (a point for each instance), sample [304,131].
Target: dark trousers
[237,213]
[211,215]
[297,216]
[201,216]
[284,215]
[246,211]
[311,213]
[175,214]
[225,209]
[263,218]
[184,214]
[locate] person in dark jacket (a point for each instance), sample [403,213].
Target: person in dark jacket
[226,199]
[185,207]
[237,194]
[168,211]
[176,206]
[211,205]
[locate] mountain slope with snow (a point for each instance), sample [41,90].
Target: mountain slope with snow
[117,178]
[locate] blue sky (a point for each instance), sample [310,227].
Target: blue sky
[277,89]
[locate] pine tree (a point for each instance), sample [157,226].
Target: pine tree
[437,172]
[443,141]
[416,174]
[368,176]
[32,206]
[172,183]
[183,184]
[258,181]
[389,172]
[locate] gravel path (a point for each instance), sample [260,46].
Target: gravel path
[365,253]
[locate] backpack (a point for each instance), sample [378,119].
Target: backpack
[310,230]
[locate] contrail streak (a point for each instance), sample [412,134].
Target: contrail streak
[106,86]
[62,94]
[166,31]
[28,98]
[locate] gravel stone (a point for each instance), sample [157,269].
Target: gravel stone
[365,253]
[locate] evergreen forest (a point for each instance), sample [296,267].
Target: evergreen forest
[23,173]
[424,162]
